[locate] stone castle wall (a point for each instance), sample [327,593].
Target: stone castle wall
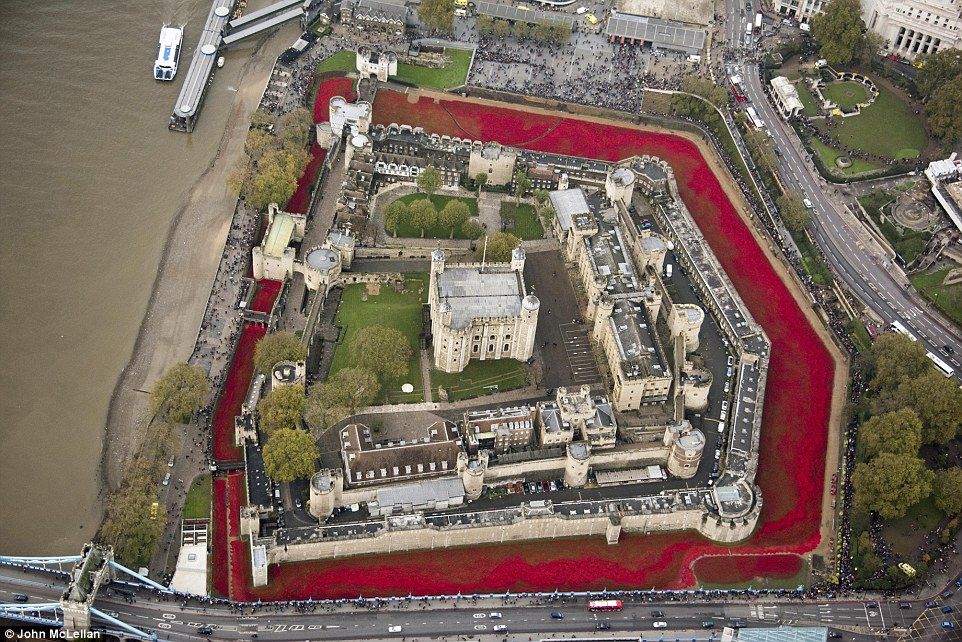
[541,527]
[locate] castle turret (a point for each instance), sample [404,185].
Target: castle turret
[327,487]
[517,259]
[603,309]
[472,473]
[686,319]
[437,261]
[530,305]
[576,464]
[687,447]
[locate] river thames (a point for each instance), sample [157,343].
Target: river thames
[90,180]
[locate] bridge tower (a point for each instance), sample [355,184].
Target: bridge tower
[88,574]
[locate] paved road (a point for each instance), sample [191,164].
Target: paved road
[857,258]
[856,620]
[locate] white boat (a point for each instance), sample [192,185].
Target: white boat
[168,52]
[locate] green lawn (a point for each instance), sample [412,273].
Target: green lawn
[887,127]
[828,156]
[406,230]
[345,61]
[521,220]
[398,310]
[473,381]
[809,102]
[908,243]
[856,330]
[453,75]
[197,504]
[812,260]
[846,94]
[947,298]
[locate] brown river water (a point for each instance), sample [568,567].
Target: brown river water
[90,179]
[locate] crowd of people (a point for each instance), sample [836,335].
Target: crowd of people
[589,70]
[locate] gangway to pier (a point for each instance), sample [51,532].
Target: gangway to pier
[201,70]
[257,27]
[254,16]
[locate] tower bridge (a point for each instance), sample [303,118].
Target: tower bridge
[85,576]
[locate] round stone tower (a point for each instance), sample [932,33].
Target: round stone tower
[685,454]
[326,488]
[576,464]
[603,309]
[472,473]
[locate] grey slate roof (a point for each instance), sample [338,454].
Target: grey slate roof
[664,34]
[473,294]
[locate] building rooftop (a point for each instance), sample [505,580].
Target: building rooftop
[637,342]
[366,461]
[661,33]
[609,260]
[279,235]
[787,93]
[323,259]
[783,634]
[571,207]
[472,294]
[405,497]
[517,13]
[388,9]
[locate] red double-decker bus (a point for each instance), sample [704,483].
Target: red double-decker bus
[604,605]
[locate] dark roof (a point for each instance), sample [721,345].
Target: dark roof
[399,459]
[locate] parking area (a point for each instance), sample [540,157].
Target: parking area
[581,359]
[562,337]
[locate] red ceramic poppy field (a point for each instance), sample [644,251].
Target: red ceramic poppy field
[235,389]
[298,202]
[794,432]
[267,290]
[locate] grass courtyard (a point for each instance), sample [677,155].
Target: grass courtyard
[388,307]
[908,243]
[947,298]
[344,61]
[809,102]
[479,377]
[828,156]
[887,128]
[847,94]
[197,504]
[407,230]
[453,75]
[521,220]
